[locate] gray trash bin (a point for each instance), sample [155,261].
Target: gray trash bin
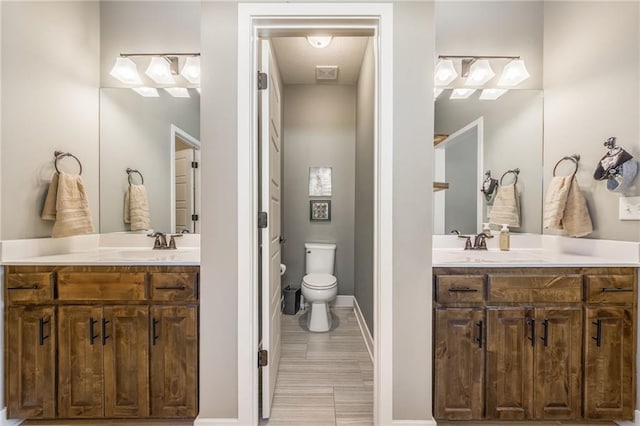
[291,300]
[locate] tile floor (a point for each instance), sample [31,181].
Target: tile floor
[325,379]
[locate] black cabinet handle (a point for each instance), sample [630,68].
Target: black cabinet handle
[105,336]
[545,332]
[154,330]
[31,287]
[616,290]
[171,287]
[598,337]
[41,336]
[92,336]
[532,328]
[463,290]
[479,338]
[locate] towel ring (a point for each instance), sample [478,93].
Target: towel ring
[515,172]
[60,155]
[131,171]
[575,158]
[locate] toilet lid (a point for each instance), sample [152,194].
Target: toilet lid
[319,281]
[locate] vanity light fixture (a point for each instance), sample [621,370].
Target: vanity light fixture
[191,69]
[480,72]
[514,73]
[461,93]
[445,72]
[126,71]
[492,94]
[177,92]
[162,68]
[147,92]
[437,91]
[319,42]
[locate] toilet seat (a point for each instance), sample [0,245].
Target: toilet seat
[319,281]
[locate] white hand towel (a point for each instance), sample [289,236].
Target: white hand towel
[566,208]
[506,207]
[556,201]
[136,208]
[71,207]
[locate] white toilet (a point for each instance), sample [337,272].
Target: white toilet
[319,285]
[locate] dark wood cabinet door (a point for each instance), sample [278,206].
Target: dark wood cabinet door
[509,363]
[174,361]
[558,363]
[459,364]
[80,366]
[608,356]
[125,335]
[31,357]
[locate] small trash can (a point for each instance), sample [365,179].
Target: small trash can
[291,300]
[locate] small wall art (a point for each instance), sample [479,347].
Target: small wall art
[320,181]
[320,210]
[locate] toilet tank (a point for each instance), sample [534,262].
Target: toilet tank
[319,258]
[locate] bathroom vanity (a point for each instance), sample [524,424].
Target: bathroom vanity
[102,338]
[534,343]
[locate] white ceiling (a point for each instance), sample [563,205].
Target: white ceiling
[297,59]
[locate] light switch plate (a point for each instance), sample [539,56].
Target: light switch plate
[629,208]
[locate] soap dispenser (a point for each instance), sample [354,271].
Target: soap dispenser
[504,238]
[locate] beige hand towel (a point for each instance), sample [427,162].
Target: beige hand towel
[565,207]
[71,208]
[136,208]
[506,207]
[556,201]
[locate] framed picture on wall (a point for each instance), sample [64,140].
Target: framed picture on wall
[320,210]
[319,181]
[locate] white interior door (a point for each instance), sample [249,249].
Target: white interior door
[271,203]
[184,190]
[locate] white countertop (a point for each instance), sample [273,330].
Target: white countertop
[116,256]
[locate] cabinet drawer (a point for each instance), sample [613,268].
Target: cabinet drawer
[535,288]
[101,285]
[30,287]
[610,289]
[174,286]
[460,288]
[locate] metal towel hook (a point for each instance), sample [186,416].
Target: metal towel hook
[60,155]
[131,171]
[575,158]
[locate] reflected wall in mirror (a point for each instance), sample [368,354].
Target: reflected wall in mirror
[497,135]
[160,138]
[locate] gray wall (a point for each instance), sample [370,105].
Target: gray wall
[365,127]
[591,79]
[513,133]
[318,130]
[461,165]
[135,132]
[49,101]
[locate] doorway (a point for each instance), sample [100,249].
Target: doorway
[255,20]
[185,182]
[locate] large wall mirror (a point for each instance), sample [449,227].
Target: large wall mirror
[159,137]
[488,135]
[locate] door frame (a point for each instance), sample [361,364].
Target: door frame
[256,17]
[195,144]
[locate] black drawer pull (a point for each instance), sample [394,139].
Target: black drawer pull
[463,290]
[479,338]
[31,287]
[545,332]
[598,336]
[92,336]
[616,290]
[105,336]
[155,331]
[171,287]
[532,326]
[41,336]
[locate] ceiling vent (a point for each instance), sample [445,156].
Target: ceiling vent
[326,72]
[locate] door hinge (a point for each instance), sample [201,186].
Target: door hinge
[263,358]
[262,220]
[194,164]
[262,80]
[194,217]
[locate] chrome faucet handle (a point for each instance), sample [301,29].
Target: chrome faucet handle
[172,240]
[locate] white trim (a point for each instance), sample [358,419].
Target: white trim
[204,421]
[8,422]
[379,18]
[341,301]
[366,334]
[415,422]
[190,140]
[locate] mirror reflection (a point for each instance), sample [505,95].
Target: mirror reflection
[487,136]
[158,137]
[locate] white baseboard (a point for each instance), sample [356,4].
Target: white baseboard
[366,334]
[415,422]
[341,301]
[8,422]
[204,421]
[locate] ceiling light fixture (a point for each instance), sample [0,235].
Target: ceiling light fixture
[147,92]
[319,42]
[177,92]
[461,93]
[191,69]
[492,94]
[514,73]
[445,72]
[126,71]
[480,72]
[162,69]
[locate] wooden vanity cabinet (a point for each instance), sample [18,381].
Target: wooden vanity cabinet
[108,345]
[541,357]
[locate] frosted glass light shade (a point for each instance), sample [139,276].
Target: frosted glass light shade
[126,71]
[177,92]
[514,73]
[191,69]
[492,94]
[461,93]
[159,70]
[437,91]
[445,72]
[479,73]
[319,42]
[147,92]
